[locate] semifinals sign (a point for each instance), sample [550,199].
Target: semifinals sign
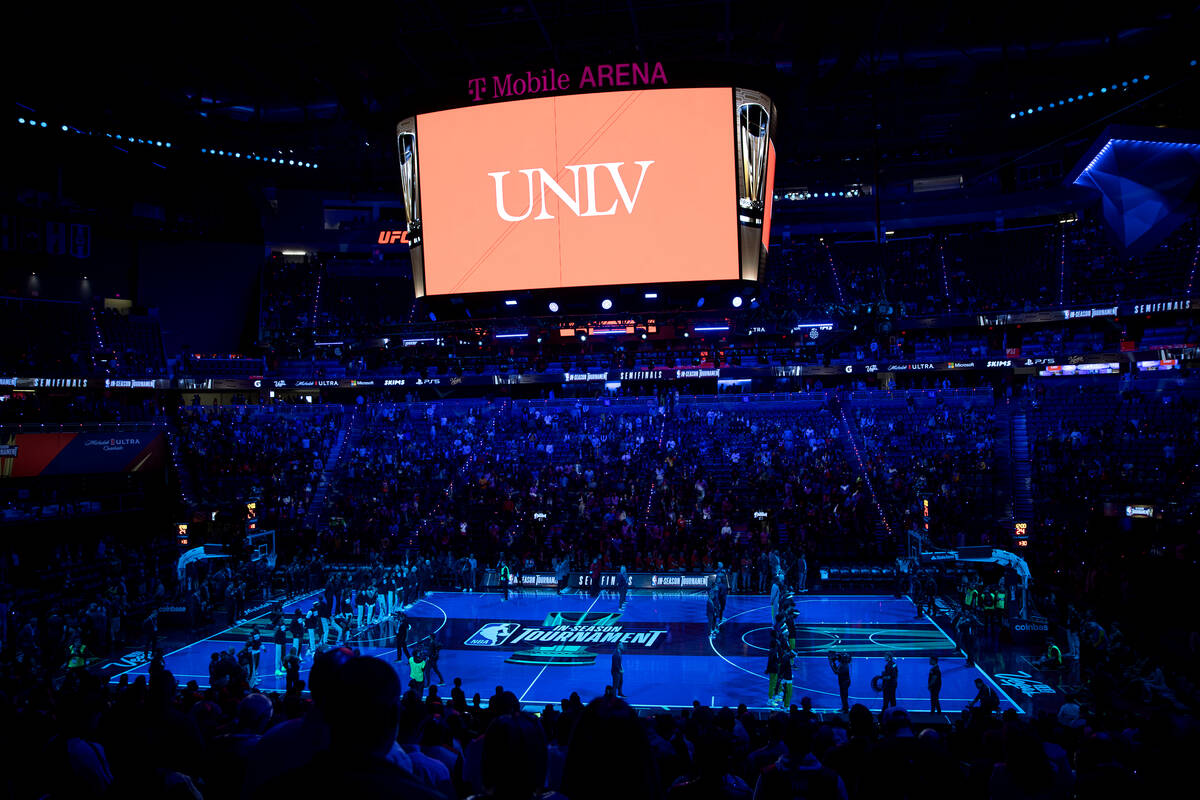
[619,187]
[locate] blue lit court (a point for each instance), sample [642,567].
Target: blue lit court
[543,646]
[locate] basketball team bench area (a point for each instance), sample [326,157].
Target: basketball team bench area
[543,646]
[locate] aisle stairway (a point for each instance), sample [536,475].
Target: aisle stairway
[1022,468]
[351,433]
[187,490]
[856,454]
[1005,481]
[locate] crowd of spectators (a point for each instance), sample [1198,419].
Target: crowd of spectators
[271,454]
[937,450]
[1100,449]
[359,732]
[657,486]
[27,410]
[661,484]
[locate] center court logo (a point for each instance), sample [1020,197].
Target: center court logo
[493,634]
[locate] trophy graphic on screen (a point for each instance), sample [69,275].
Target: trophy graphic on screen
[406,142]
[410,192]
[753,135]
[755,121]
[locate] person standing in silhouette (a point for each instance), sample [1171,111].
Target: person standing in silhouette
[618,671]
[935,685]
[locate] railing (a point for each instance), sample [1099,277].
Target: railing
[75,427]
[111,504]
[972,393]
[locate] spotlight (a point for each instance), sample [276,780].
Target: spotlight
[643,336]
[20,120]
[606,304]
[737,302]
[64,127]
[553,307]
[700,303]
[583,337]
[510,302]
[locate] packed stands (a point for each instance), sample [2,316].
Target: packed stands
[275,455]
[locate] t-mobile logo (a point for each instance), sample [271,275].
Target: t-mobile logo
[582,202]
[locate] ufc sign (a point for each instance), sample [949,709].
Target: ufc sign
[393,237]
[582,202]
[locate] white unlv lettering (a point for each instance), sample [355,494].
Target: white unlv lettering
[573,202]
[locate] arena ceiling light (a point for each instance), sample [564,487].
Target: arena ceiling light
[1062,101]
[606,304]
[510,302]
[553,307]
[211,151]
[737,301]
[651,295]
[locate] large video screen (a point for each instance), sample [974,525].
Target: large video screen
[578,190]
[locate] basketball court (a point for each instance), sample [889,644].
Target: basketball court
[543,646]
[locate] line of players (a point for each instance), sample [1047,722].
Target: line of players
[781,657]
[348,606]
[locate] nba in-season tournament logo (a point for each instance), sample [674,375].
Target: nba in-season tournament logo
[562,638]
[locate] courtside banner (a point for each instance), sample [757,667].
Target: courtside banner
[82,453]
[608,580]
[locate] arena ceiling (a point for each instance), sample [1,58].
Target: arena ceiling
[931,83]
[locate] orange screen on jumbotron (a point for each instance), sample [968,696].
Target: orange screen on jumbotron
[579,190]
